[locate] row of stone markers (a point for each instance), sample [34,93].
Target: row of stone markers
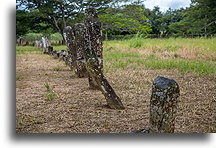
[84,42]
[84,55]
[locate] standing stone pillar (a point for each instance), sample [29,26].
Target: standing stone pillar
[70,42]
[20,41]
[93,26]
[50,49]
[45,44]
[80,45]
[95,72]
[38,43]
[163,103]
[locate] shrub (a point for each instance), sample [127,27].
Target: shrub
[136,41]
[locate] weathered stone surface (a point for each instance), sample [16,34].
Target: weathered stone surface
[75,43]
[20,41]
[45,44]
[163,103]
[50,49]
[54,53]
[94,69]
[79,32]
[86,39]
[94,28]
[68,61]
[38,44]
[61,54]
[65,59]
[70,42]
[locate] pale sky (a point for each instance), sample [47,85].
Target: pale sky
[166,4]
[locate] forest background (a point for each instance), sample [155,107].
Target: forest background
[120,18]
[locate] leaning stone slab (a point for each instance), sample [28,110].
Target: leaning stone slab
[95,72]
[88,51]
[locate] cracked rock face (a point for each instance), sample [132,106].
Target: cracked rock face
[163,103]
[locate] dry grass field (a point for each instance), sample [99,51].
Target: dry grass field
[51,99]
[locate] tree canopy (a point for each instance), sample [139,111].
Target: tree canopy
[117,17]
[127,18]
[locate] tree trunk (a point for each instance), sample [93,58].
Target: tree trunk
[59,29]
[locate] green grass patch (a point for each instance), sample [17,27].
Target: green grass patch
[72,76]
[171,48]
[58,68]
[116,57]
[47,86]
[120,59]
[19,77]
[165,44]
[184,66]
[124,60]
[152,57]
[119,55]
[61,47]
[26,49]
[109,48]
[136,41]
[50,94]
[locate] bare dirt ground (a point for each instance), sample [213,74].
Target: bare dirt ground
[77,109]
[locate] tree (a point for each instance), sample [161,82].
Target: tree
[155,18]
[127,18]
[168,18]
[27,22]
[60,13]
[199,19]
